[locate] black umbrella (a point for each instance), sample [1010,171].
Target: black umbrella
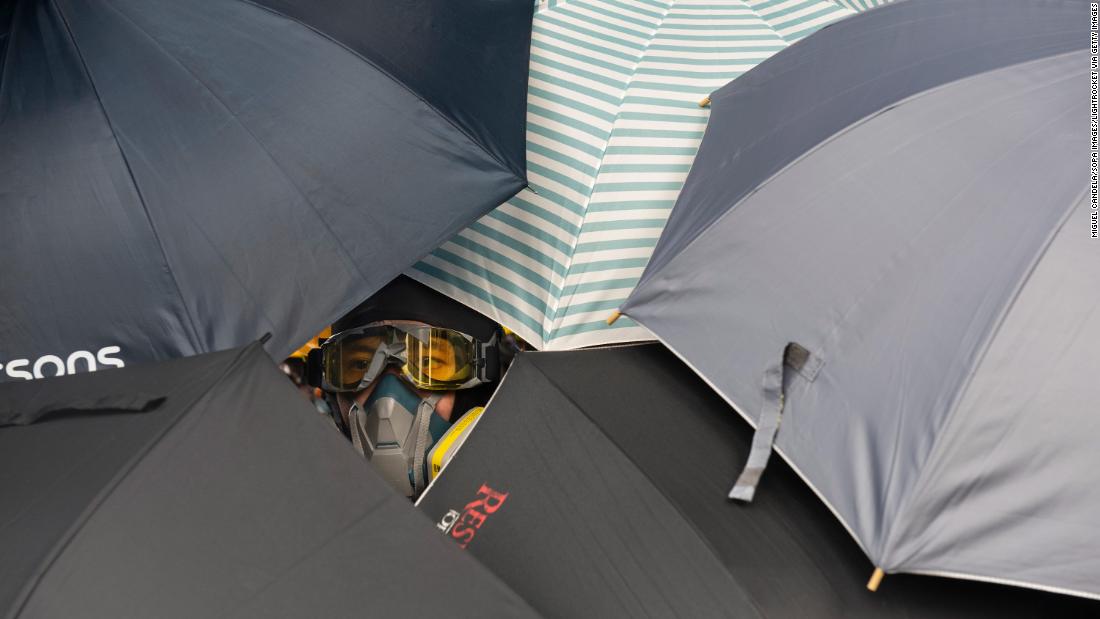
[206,487]
[182,177]
[594,485]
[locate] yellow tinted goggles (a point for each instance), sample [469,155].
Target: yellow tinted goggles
[429,357]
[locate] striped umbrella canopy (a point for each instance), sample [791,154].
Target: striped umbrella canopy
[613,124]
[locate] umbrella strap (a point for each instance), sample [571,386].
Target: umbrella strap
[420,451]
[794,357]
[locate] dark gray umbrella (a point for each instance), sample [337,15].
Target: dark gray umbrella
[206,487]
[896,254]
[185,176]
[615,462]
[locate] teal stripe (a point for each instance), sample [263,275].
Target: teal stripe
[629,205]
[717,49]
[682,72]
[795,36]
[573,72]
[612,25]
[708,62]
[723,38]
[656,4]
[655,151]
[637,186]
[600,286]
[608,265]
[653,15]
[627,224]
[545,215]
[558,199]
[567,140]
[565,100]
[658,133]
[569,87]
[592,33]
[538,110]
[751,24]
[667,118]
[624,10]
[509,241]
[586,327]
[685,103]
[561,157]
[739,15]
[773,18]
[696,89]
[612,168]
[498,259]
[616,244]
[562,179]
[582,44]
[591,306]
[477,292]
[569,53]
[531,230]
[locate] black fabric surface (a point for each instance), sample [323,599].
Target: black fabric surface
[231,499]
[183,177]
[617,463]
[464,58]
[407,299]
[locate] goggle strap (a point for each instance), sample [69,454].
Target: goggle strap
[488,361]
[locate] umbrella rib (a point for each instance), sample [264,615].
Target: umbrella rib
[979,358]
[194,332]
[518,174]
[691,525]
[274,161]
[15,14]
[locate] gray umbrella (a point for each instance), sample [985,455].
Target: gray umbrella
[895,255]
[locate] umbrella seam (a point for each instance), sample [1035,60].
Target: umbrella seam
[15,14]
[346,254]
[710,229]
[646,275]
[108,489]
[243,604]
[956,400]
[555,320]
[194,332]
[519,175]
[691,525]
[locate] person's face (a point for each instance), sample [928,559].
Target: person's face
[432,359]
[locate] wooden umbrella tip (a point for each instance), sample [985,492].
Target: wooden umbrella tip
[876,579]
[705,102]
[613,317]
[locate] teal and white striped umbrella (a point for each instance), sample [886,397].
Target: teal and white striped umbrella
[613,124]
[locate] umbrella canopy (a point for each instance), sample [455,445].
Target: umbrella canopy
[182,177]
[206,487]
[895,255]
[613,462]
[612,126]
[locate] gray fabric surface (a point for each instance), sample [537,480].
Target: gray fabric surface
[900,252]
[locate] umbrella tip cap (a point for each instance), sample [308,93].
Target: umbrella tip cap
[876,579]
[613,317]
[705,102]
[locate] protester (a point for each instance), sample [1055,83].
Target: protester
[409,371]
